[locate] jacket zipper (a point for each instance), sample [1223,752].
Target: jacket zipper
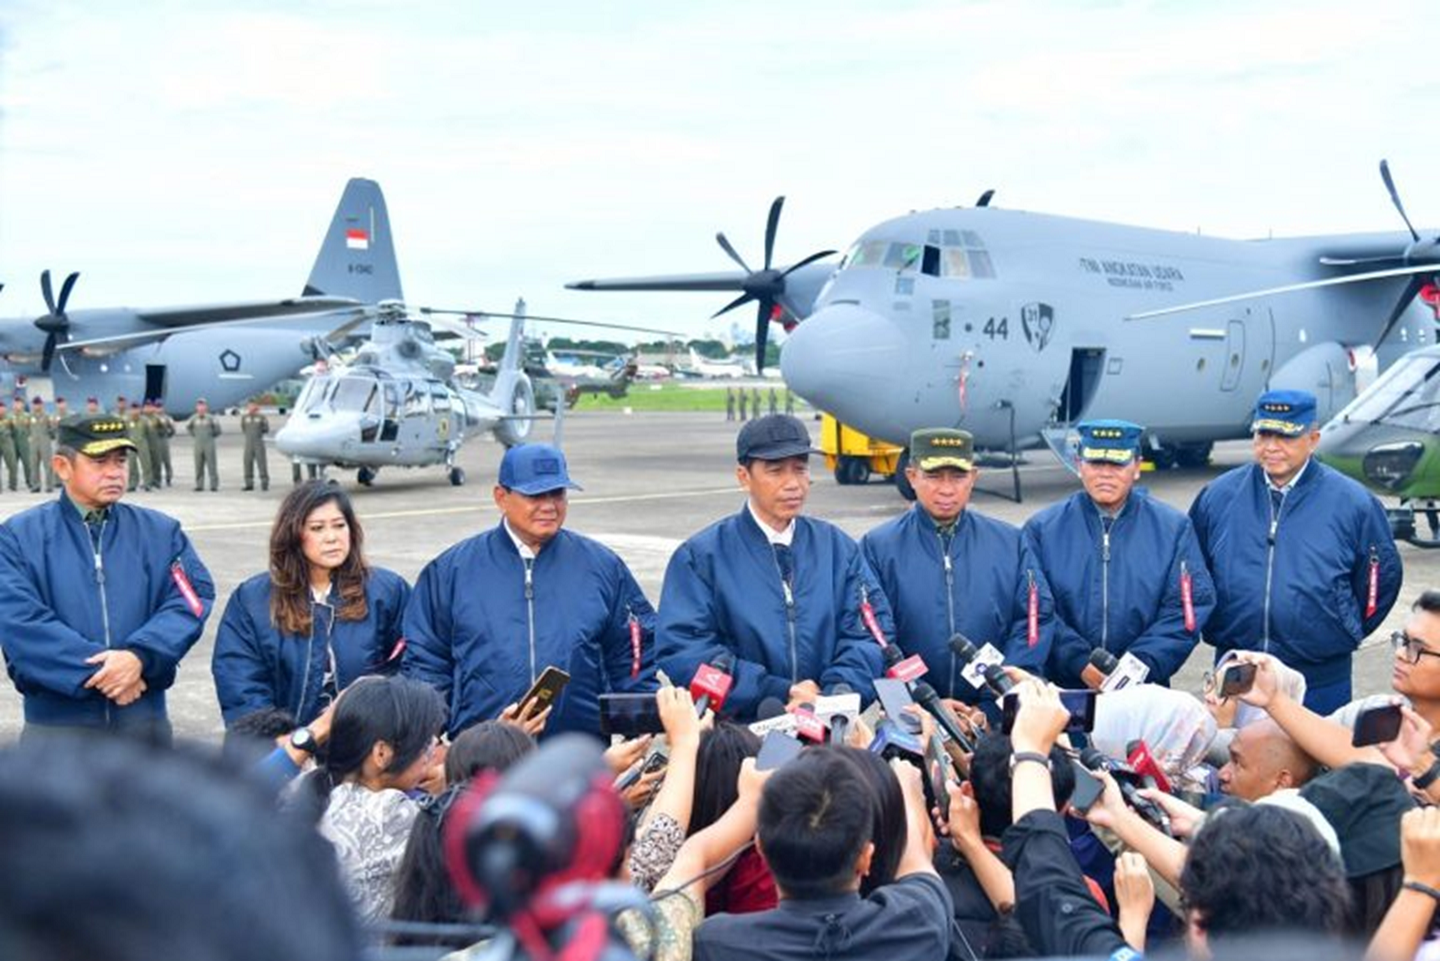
[949,602]
[530,610]
[1270,566]
[1105,585]
[789,619]
[104,603]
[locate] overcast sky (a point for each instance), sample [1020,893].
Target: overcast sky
[184,152]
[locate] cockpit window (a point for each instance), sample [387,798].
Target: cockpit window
[353,393]
[962,256]
[1406,395]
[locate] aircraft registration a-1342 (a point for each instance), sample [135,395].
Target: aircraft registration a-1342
[1016,325]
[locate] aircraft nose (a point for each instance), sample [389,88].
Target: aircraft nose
[319,437]
[837,353]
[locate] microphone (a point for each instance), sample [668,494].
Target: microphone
[1145,765]
[892,741]
[808,726]
[772,716]
[769,707]
[926,697]
[987,666]
[1100,666]
[1125,777]
[839,723]
[711,683]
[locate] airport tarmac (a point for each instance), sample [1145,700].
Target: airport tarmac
[650,480]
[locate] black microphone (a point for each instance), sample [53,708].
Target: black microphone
[994,674]
[1099,667]
[926,697]
[1125,778]
[839,723]
[769,707]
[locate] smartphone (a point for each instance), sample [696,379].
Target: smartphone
[777,748]
[1088,788]
[546,689]
[941,771]
[1237,679]
[1080,704]
[895,697]
[1376,725]
[629,715]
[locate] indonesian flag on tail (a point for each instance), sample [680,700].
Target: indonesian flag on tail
[357,238]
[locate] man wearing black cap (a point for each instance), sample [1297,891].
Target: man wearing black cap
[780,592]
[1304,562]
[945,568]
[1125,569]
[99,600]
[489,615]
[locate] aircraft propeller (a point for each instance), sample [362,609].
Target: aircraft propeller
[56,323]
[765,286]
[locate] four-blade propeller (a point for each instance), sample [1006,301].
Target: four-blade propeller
[55,324]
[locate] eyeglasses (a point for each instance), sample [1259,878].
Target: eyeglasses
[1411,648]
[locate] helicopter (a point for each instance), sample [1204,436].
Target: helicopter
[1388,438]
[395,403]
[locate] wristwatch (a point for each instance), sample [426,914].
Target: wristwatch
[303,739]
[1423,781]
[1020,757]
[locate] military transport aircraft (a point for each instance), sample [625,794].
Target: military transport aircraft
[1015,325]
[222,352]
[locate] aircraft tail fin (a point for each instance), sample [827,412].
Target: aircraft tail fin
[512,392]
[357,258]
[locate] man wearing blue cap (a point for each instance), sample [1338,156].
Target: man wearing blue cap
[1125,569]
[780,592]
[1304,563]
[491,613]
[946,568]
[99,600]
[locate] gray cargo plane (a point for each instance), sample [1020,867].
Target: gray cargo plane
[221,352]
[1015,325]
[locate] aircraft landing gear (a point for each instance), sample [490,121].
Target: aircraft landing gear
[1403,524]
[457,477]
[852,471]
[902,483]
[365,476]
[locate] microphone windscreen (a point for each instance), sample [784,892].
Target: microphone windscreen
[769,707]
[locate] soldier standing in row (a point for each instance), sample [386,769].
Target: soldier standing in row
[774,407]
[137,428]
[7,443]
[744,405]
[39,441]
[164,429]
[729,403]
[204,428]
[789,402]
[62,411]
[754,402]
[254,425]
[20,428]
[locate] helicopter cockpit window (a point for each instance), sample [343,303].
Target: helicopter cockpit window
[1408,395]
[353,393]
[313,394]
[439,397]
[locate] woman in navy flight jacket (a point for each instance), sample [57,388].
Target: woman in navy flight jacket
[294,637]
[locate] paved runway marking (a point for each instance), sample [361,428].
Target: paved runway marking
[486,506]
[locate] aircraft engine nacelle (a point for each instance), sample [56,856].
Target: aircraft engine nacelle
[518,401]
[1326,370]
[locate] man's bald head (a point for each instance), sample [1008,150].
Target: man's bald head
[1263,760]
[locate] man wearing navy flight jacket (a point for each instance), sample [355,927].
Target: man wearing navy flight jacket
[491,613]
[1305,566]
[1125,569]
[779,591]
[99,600]
[944,568]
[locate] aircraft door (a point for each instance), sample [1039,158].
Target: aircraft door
[1087,364]
[1234,355]
[154,381]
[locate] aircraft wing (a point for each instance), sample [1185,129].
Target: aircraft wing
[346,319]
[729,280]
[184,317]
